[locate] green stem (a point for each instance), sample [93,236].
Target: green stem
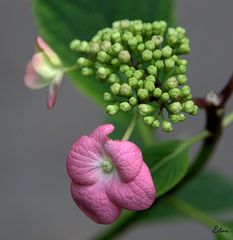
[146,134]
[191,211]
[127,218]
[70,69]
[131,127]
[228,120]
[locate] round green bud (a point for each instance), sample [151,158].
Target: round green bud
[152,70]
[175,107]
[138,27]
[139,38]
[84,46]
[156,25]
[123,68]
[106,45]
[133,101]
[133,42]
[175,58]
[140,83]
[189,106]
[195,110]
[112,109]
[126,90]
[116,36]
[127,35]
[181,69]
[169,63]
[182,62]
[94,48]
[150,45]
[124,56]
[141,47]
[184,48]
[125,107]
[84,62]
[115,62]
[115,88]
[149,86]
[180,30]
[182,79]
[174,118]
[185,91]
[188,97]
[116,24]
[74,45]
[157,39]
[181,117]
[166,126]
[138,74]
[171,83]
[159,64]
[151,78]
[174,93]
[116,48]
[165,97]
[103,73]
[125,24]
[145,109]
[157,54]
[133,82]
[87,71]
[157,92]
[148,120]
[103,57]
[129,73]
[156,124]
[107,97]
[147,27]
[142,93]
[167,51]
[147,55]
[113,78]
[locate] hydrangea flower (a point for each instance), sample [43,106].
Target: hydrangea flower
[108,175]
[44,69]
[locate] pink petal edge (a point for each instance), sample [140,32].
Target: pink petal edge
[83,161]
[93,201]
[127,158]
[100,134]
[32,80]
[138,194]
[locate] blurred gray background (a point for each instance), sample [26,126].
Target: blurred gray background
[35,201]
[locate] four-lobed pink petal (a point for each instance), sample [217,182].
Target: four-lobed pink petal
[99,194]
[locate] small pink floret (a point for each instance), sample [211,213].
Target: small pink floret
[102,191]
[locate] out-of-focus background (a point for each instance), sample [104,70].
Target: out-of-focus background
[35,201]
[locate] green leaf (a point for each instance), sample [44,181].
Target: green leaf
[225,235]
[61,21]
[168,162]
[209,192]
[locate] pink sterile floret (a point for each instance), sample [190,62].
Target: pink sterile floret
[108,176]
[44,69]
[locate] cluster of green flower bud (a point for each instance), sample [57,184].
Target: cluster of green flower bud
[141,63]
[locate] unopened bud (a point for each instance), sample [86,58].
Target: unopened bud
[126,90]
[125,107]
[145,109]
[112,109]
[142,93]
[166,126]
[124,56]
